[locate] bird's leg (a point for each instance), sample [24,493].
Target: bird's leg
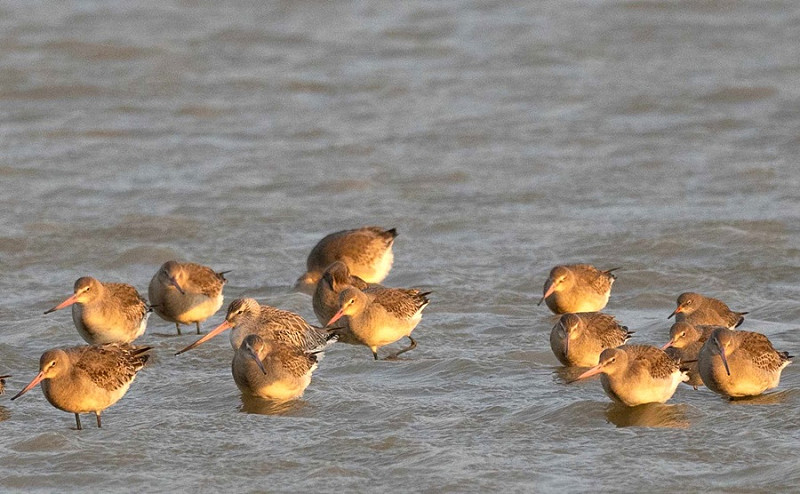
[178,327]
[98,420]
[375,354]
[78,421]
[198,326]
[412,346]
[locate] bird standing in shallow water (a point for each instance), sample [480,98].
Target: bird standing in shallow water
[737,364]
[106,312]
[271,369]
[700,310]
[637,374]
[579,339]
[379,317]
[87,379]
[367,252]
[336,278]
[186,293]
[577,288]
[685,342]
[246,316]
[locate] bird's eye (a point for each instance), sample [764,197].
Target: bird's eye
[683,334]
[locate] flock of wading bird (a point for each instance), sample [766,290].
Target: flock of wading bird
[704,347]
[276,351]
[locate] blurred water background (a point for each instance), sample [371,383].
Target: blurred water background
[499,137]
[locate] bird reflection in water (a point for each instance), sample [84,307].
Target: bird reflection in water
[649,415]
[569,374]
[775,398]
[260,406]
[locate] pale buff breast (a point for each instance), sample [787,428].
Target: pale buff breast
[633,393]
[279,390]
[376,327]
[376,271]
[81,397]
[97,327]
[743,381]
[187,308]
[561,303]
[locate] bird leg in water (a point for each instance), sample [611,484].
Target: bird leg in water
[78,421]
[412,346]
[178,327]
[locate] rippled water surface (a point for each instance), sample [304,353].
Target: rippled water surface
[499,138]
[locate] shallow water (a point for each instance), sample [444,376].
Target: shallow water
[499,138]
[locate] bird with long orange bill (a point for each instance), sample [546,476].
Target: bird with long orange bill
[106,312]
[246,316]
[637,374]
[87,379]
[685,342]
[698,310]
[378,317]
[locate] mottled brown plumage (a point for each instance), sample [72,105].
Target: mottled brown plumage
[577,288]
[271,369]
[186,293]
[637,374]
[579,339]
[379,316]
[684,346]
[106,312]
[87,378]
[246,316]
[402,303]
[336,278]
[697,310]
[367,252]
[740,363]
